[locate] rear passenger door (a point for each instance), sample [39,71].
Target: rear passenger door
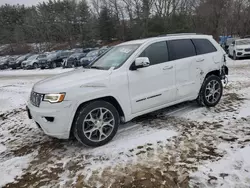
[183,55]
[207,57]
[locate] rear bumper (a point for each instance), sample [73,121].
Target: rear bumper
[54,119]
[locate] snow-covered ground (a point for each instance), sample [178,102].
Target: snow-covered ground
[181,146]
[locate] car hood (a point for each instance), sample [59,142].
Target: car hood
[42,59]
[88,58]
[78,78]
[243,46]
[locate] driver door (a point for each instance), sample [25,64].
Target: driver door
[152,86]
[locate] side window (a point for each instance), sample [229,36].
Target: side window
[182,48]
[203,46]
[157,53]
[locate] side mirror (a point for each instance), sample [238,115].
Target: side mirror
[142,62]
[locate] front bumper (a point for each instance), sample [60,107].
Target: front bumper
[27,66]
[44,64]
[242,54]
[3,66]
[61,114]
[14,65]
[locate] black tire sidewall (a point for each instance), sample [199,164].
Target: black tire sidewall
[78,128]
[234,56]
[35,65]
[203,95]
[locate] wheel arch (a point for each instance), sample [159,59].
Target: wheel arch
[214,72]
[110,99]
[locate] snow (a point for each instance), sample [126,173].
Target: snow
[15,86]
[36,72]
[14,95]
[2,148]
[231,171]
[118,151]
[134,138]
[12,168]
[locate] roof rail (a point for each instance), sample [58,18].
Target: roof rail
[177,34]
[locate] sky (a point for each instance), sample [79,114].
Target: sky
[25,2]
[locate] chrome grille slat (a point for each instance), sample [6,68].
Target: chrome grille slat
[36,98]
[247,50]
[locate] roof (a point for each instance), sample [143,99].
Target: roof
[171,36]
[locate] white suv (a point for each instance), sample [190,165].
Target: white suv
[132,79]
[239,48]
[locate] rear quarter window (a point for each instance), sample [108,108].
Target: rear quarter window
[181,48]
[203,46]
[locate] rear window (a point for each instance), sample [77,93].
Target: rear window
[203,46]
[179,49]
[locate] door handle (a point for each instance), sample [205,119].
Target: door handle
[168,67]
[200,60]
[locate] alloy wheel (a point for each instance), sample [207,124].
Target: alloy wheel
[213,91]
[98,124]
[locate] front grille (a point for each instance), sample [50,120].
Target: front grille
[36,98]
[247,50]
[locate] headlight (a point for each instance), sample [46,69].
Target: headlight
[54,98]
[239,49]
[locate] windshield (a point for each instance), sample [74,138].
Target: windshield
[32,57]
[21,58]
[115,57]
[50,56]
[92,53]
[242,42]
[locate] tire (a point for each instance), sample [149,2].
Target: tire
[53,65]
[35,65]
[83,121]
[217,91]
[234,56]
